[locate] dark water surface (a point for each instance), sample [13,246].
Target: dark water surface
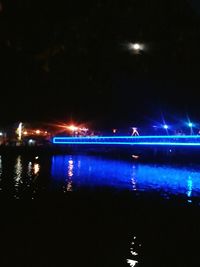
[69,210]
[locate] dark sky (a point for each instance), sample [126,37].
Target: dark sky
[69,59]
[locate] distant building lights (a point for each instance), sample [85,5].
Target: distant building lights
[84,129]
[25,133]
[37,131]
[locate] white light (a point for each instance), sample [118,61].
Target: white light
[136,46]
[19,131]
[134,253]
[132,263]
[36,168]
[72,128]
[1,133]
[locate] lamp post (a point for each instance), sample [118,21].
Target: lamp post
[190,124]
[19,132]
[166,127]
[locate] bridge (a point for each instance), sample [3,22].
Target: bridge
[152,140]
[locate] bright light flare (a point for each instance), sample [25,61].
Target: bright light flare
[38,131]
[72,128]
[136,47]
[165,126]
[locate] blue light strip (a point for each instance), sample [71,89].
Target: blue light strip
[132,137]
[132,140]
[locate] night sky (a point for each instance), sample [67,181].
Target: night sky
[69,59]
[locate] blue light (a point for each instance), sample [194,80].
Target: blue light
[96,172]
[131,137]
[165,126]
[190,124]
[163,140]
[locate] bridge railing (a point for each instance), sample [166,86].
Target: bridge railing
[131,140]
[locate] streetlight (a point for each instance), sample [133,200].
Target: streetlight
[190,125]
[19,131]
[73,129]
[166,127]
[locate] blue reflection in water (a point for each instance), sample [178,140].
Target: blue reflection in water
[93,172]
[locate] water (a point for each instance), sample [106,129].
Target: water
[72,210]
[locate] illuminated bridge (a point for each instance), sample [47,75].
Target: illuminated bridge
[162,140]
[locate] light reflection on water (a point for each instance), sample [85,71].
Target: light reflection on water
[25,174]
[133,259]
[18,171]
[66,173]
[88,171]
[72,172]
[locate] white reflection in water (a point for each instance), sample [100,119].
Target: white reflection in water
[70,168]
[18,175]
[36,168]
[18,171]
[29,172]
[70,174]
[133,178]
[133,251]
[132,263]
